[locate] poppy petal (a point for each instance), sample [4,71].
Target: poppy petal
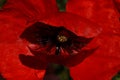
[100,11]
[104,62]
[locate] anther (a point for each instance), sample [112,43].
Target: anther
[62,38]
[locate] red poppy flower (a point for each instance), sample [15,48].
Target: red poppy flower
[15,18]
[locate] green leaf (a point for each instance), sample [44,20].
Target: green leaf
[2,3]
[61,5]
[117,76]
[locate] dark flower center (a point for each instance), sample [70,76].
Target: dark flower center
[53,44]
[54,40]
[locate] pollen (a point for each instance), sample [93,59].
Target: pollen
[62,38]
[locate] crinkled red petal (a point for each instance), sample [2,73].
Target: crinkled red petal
[101,12]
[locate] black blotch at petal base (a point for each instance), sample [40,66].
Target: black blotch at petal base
[40,31]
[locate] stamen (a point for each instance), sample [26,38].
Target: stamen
[57,50]
[62,38]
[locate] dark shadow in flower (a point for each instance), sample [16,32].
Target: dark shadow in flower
[1,77]
[117,5]
[56,45]
[33,61]
[40,62]
[52,39]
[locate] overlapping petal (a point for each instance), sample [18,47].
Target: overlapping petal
[103,64]
[101,12]
[29,9]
